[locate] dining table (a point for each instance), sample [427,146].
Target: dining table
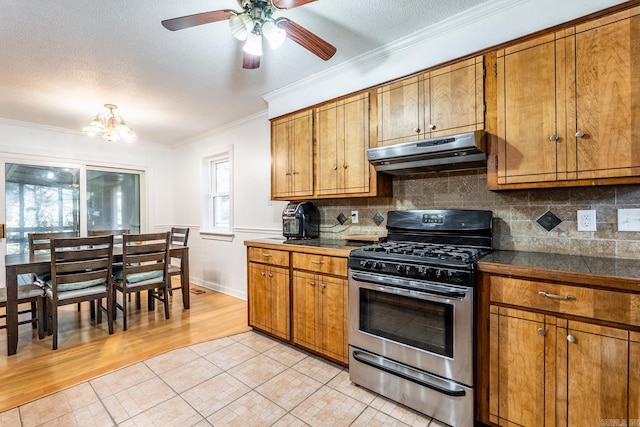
[18,264]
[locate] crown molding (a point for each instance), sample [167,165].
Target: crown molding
[220,129]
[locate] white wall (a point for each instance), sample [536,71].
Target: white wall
[219,263]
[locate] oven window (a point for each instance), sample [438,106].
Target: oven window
[427,325]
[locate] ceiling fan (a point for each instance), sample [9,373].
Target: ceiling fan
[255,21]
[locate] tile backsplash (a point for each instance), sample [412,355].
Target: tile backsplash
[515,212]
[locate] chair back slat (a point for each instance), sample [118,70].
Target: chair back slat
[117,234]
[179,236]
[39,242]
[145,252]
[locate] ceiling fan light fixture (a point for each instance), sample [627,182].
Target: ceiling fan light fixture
[253,45]
[274,34]
[240,25]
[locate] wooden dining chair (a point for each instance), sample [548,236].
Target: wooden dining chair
[145,266]
[27,294]
[80,271]
[179,236]
[117,234]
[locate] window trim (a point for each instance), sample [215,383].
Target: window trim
[207,230]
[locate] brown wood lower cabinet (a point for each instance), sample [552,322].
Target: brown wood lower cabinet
[300,297]
[320,314]
[548,369]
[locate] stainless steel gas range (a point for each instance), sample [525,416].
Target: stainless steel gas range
[411,311]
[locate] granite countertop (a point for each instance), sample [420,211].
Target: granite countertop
[618,273]
[334,247]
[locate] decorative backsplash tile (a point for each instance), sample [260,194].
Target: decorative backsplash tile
[515,212]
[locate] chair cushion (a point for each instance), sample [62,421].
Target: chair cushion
[24,292]
[66,287]
[139,277]
[75,293]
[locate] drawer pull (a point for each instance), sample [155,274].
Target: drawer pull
[267,255]
[571,338]
[313,261]
[561,297]
[542,332]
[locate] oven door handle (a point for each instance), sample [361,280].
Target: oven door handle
[406,284]
[454,390]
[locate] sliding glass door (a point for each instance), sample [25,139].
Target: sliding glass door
[43,198]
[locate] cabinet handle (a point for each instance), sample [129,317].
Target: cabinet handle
[313,261]
[553,138]
[262,274]
[296,173]
[571,338]
[322,285]
[335,167]
[267,255]
[312,284]
[270,275]
[432,127]
[344,166]
[579,134]
[416,130]
[288,173]
[561,297]
[542,332]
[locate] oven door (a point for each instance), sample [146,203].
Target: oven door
[425,325]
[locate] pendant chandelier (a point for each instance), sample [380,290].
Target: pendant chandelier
[110,127]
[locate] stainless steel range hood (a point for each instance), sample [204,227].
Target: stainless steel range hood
[455,152]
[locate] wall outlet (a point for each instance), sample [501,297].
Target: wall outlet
[587,220]
[354,217]
[628,219]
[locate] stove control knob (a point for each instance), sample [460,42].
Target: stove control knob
[377,265]
[439,273]
[365,263]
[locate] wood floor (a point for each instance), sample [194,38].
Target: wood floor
[86,350]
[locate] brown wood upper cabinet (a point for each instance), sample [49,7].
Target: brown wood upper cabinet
[342,136]
[567,105]
[439,102]
[292,156]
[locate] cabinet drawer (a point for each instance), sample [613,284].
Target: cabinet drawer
[269,256]
[320,263]
[598,304]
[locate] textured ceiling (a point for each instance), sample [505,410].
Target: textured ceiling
[62,60]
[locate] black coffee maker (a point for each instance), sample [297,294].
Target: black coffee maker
[301,220]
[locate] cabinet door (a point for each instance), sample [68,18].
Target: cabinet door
[456,98]
[291,154]
[333,315]
[401,111]
[342,135]
[593,368]
[305,310]
[531,142]
[280,324]
[607,91]
[258,297]
[521,362]
[634,377]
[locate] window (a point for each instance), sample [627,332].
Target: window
[217,216]
[113,200]
[39,199]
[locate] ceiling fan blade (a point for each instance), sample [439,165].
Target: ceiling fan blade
[307,39]
[250,62]
[197,19]
[290,4]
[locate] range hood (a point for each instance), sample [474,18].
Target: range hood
[455,152]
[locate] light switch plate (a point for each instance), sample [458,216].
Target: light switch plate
[628,219]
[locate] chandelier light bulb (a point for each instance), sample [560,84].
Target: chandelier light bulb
[110,127]
[241,25]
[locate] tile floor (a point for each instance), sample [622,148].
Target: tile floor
[242,380]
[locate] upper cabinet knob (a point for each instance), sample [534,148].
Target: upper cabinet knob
[579,134]
[345,166]
[571,338]
[335,167]
[553,138]
[432,127]
[416,130]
